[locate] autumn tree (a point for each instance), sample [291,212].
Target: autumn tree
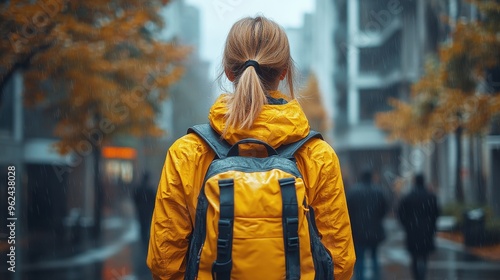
[453,94]
[97,63]
[313,106]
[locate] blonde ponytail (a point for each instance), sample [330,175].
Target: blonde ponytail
[247,100]
[265,44]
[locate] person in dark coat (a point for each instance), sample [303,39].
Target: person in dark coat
[367,206]
[144,199]
[418,212]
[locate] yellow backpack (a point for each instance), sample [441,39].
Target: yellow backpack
[253,220]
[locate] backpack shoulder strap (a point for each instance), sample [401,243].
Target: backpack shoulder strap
[289,150]
[212,138]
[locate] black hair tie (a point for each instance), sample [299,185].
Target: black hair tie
[252,63]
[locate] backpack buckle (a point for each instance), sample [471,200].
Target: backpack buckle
[222,244]
[224,223]
[292,221]
[293,243]
[292,226]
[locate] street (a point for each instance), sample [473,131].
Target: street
[448,262]
[121,257]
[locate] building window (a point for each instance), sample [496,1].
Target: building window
[383,59]
[341,121]
[373,101]
[7,109]
[375,16]
[495,127]
[119,171]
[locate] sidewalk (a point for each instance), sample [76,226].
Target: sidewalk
[491,252]
[119,255]
[450,261]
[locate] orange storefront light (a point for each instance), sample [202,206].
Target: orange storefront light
[119,152]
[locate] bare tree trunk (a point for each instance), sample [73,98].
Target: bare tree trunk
[459,191]
[98,192]
[479,176]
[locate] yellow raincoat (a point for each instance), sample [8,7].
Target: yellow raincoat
[189,157]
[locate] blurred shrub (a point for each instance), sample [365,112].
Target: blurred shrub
[493,231]
[455,209]
[492,224]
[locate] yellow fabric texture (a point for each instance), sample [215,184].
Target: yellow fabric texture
[188,159]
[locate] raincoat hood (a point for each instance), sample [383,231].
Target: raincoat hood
[277,124]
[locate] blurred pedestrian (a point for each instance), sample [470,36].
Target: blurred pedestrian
[144,200]
[367,207]
[418,212]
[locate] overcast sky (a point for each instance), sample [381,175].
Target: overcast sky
[217,17]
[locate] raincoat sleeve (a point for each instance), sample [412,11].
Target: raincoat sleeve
[171,222]
[326,193]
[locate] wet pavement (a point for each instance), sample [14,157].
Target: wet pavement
[118,256]
[121,257]
[450,261]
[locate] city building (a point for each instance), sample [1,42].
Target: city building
[379,48]
[190,98]
[312,51]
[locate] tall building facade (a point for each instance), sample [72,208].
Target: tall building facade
[380,46]
[312,51]
[190,98]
